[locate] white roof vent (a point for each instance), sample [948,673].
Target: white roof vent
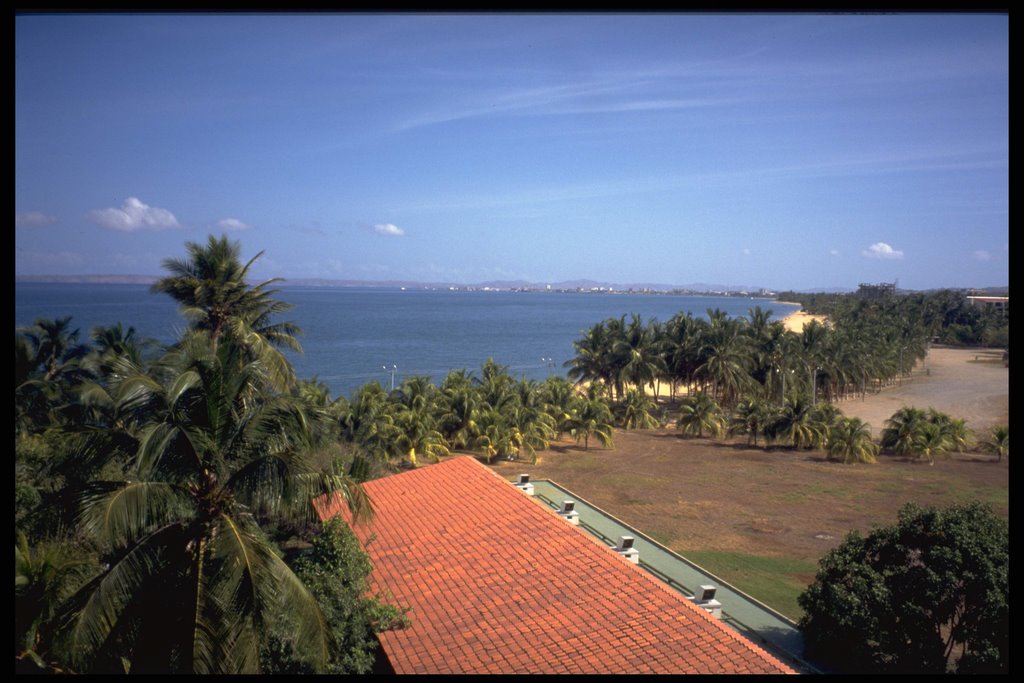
[625,548]
[569,513]
[524,485]
[704,597]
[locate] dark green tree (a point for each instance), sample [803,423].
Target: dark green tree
[927,595]
[336,571]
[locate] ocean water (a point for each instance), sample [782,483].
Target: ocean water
[352,336]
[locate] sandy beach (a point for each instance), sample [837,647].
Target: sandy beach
[968,384]
[794,322]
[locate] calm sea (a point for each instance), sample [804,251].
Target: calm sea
[354,336]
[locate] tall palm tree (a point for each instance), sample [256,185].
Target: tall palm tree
[191,583]
[593,360]
[49,366]
[54,345]
[639,361]
[211,288]
[726,357]
[459,409]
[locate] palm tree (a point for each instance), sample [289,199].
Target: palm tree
[798,424]
[680,348]
[901,431]
[43,577]
[495,437]
[698,414]
[850,439]
[591,418]
[955,430]
[459,408]
[369,421]
[558,394]
[752,417]
[636,410]
[190,581]
[726,356]
[210,285]
[54,345]
[931,440]
[48,367]
[999,441]
[593,361]
[639,362]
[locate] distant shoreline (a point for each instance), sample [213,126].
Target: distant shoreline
[574,287]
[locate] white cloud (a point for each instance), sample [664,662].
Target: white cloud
[982,255]
[33,219]
[834,252]
[134,215]
[746,251]
[881,250]
[388,229]
[232,224]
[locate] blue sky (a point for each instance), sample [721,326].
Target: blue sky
[788,151]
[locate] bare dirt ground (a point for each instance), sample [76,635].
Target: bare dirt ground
[968,384]
[709,499]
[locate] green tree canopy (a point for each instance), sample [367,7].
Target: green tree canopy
[927,595]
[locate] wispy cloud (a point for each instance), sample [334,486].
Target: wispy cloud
[33,219]
[388,229]
[614,92]
[982,255]
[134,215]
[833,252]
[232,224]
[881,250]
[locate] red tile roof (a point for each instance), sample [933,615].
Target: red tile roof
[499,583]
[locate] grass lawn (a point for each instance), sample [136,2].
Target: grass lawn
[760,519]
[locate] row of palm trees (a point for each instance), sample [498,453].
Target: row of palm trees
[492,414]
[736,358]
[909,432]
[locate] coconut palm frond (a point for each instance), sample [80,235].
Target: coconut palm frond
[95,612]
[254,581]
[118,514]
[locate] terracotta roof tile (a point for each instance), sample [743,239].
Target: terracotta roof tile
[498,583]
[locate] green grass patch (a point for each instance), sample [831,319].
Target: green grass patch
[775,581]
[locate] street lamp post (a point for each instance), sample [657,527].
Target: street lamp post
[782,373]
[550,362]
[393,369]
